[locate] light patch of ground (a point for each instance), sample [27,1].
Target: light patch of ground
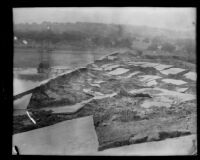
[152,91]
[98,81]
[98,94]
[111,57]
[174,146]
[148,104]
[89,91]
[174,81]
[106,65]
[95,85]
[191,75]
[183,97]
[151,83]
[94,65]
[23,102]
[181,89]
[137,63]
[110,67]
[70,137]
[105,96]
[118,71]
[147,78]
[148,64]
[175,96]
[132,74]
[157,101]
[162,66]
[172,71]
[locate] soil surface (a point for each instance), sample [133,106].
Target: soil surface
[123,118]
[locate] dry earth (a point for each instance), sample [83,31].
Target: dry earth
[131,100]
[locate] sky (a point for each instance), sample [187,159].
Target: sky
[169,18]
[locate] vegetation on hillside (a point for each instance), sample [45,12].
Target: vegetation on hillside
[92,35]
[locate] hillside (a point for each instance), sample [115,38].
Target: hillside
[82,35]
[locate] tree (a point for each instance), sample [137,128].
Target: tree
[153,47]
[168,47]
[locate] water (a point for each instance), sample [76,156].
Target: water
[26,62]
[20,85]
[29,58]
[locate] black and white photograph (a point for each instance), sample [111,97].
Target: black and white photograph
[104,81]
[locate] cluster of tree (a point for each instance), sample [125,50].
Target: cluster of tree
[168,47]
[89,35]
[184,45]
[188,45]
[76,38]
[162,44]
